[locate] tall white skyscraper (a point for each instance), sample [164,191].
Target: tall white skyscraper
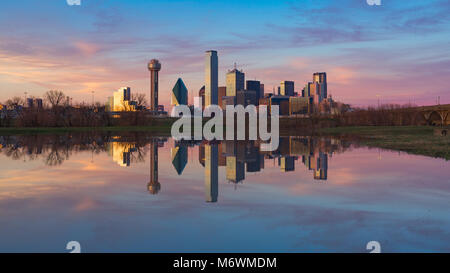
[211,78]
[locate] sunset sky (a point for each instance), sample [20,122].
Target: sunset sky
[399,51]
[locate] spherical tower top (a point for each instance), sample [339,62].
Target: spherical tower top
[154,187]
[154,65]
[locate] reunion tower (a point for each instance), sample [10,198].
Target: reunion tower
[154,66]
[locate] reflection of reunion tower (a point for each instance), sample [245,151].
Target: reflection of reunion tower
[154,66]
[153,186]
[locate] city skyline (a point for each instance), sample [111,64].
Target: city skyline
[371,53]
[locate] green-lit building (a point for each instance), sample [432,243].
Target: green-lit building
[179,93]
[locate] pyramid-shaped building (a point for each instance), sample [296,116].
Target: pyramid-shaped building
[179,93]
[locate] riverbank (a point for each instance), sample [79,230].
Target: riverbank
[419,140]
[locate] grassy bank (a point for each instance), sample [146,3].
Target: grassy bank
[411,139]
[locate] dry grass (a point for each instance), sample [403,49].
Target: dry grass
[411,139]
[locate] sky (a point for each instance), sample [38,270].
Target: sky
[397,52]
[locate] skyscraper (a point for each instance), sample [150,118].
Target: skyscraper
[321,79]
[313,90]
[246,97]
[287,88]
[235,81]
[211,78]
[201,94]
[121,100]
[222,93]
[154,66]
[179,93]
[306,92]
[255,86]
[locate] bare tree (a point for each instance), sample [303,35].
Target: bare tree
[15,101]
[140,99]
[55,98]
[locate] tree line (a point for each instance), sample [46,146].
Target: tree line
[57,110]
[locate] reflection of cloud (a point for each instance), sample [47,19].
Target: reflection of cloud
[90,166]
[40,182]
[86,204]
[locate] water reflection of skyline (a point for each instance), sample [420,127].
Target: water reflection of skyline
[237,157]
[362,196]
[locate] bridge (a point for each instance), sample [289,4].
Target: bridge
[433,115]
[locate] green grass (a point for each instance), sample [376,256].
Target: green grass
[411,139]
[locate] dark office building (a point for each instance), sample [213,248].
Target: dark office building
[222,93]
[227,100]
[255,86]
[282,102]
[30,103]
[34,103]
[201,94]
[246,97]
[287,88]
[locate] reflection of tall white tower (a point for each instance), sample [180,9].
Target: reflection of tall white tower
[211,172]
[154,66]
[211,77]
[154,186]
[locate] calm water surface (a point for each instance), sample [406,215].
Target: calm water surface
[147,194]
